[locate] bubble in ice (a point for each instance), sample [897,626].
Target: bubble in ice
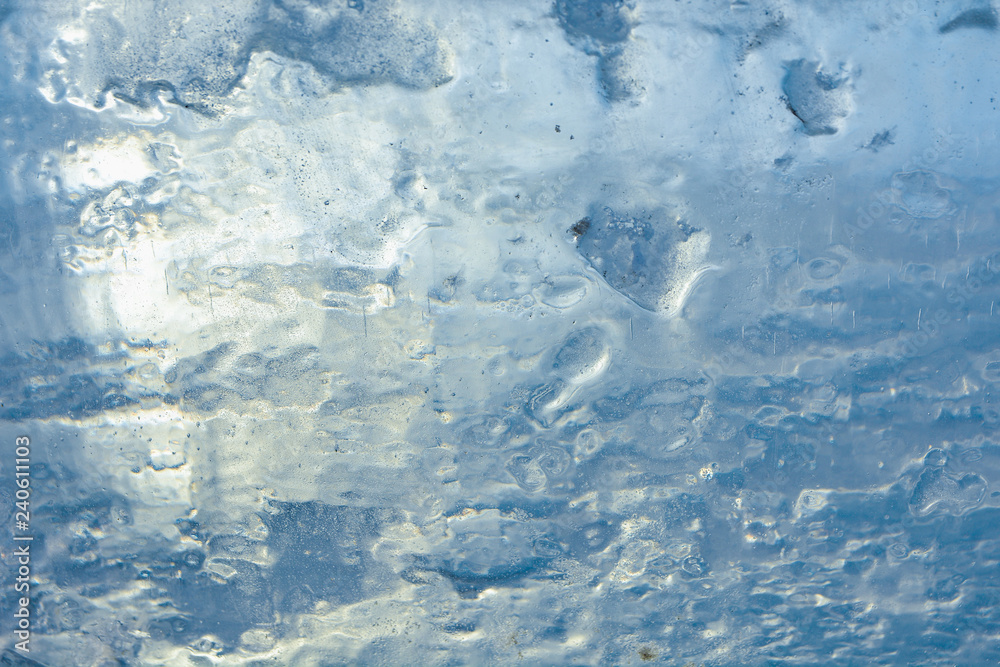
[562,291]
[921,194]
[527,472]
[583,356]
[937,489]
[823,268]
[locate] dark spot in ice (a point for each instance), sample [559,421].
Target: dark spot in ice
[602,28]
[376,46]
[197,61]
[764,36]
[580,227]
[459,627]
[818,99]
[415,575]
[606,21]
[647,653]
[980,17]
[190,528]
[618,74]
[470,584]
[783,162]
[880,140]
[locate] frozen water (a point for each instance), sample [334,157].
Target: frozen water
[820,100]
[556,332]
[649,257]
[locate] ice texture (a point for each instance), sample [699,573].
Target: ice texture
[817,98]
[570,332]
[649,256]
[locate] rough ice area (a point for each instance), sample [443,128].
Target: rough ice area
[554,332]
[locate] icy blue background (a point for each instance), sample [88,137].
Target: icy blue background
[594,332]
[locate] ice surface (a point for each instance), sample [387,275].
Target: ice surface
[556,332]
